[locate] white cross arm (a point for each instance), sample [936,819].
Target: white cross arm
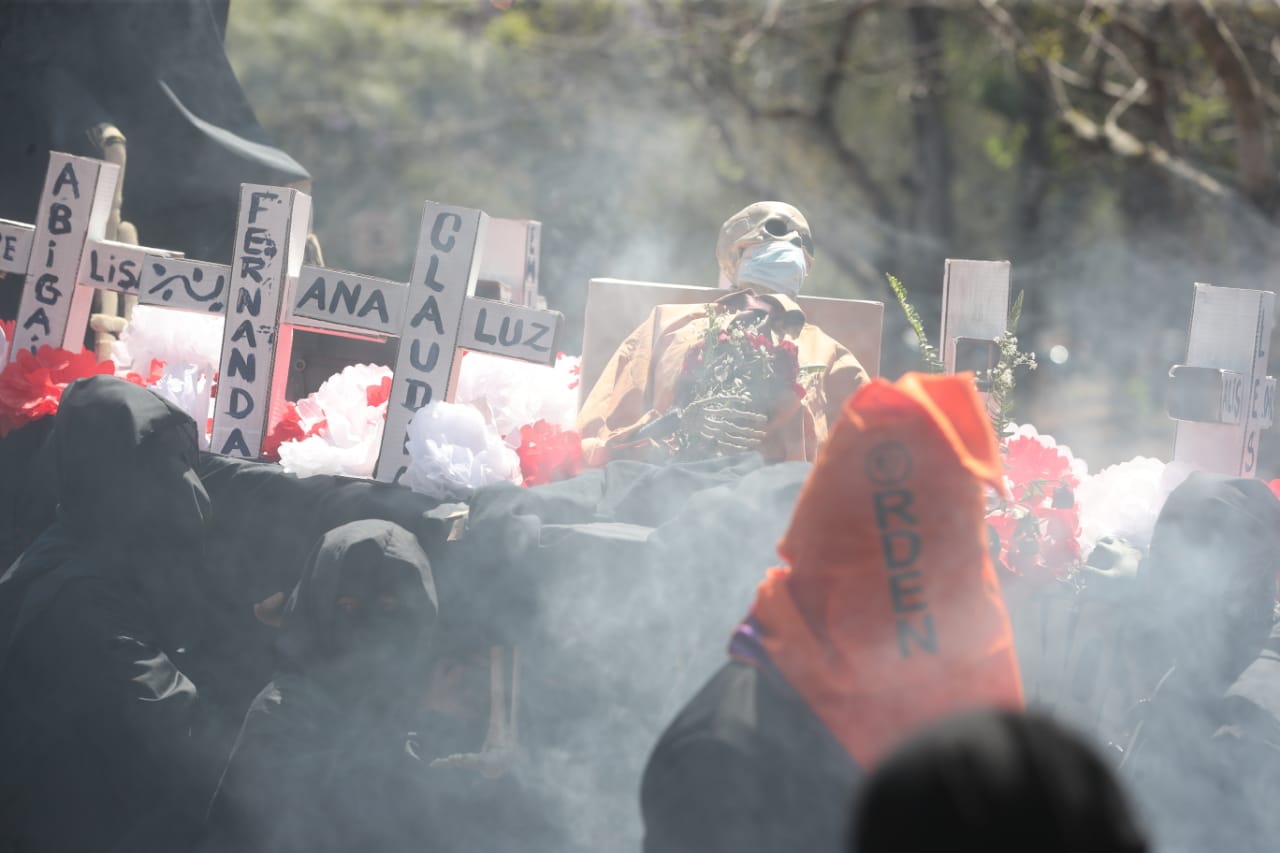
[15,246]
[351,302]
[156,276]
[1210,395]
[1221,397]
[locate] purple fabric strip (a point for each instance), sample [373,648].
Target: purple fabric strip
[747,645]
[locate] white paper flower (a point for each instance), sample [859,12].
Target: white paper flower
[348,440]
[178,338]
[1122,501]
[512,393]
[189,389]
[454,452]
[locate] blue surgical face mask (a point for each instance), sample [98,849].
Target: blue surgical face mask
[779,267]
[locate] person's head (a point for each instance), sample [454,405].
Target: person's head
[992,781]
[126,465]
[1209,580]
[364,611]
[765,246]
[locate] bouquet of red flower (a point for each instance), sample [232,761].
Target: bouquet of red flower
[738,359]
[1037,529]
[548,453]
[31,385]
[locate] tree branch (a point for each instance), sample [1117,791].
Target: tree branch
[1253,140]
[1108,135]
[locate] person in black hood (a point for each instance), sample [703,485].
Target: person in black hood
[1203,758]
[158,72]
[323,755]
[95,710]
[991,781]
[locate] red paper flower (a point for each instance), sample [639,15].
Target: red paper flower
[576,370]
[153,376]
[1030,464]
[378,394]
[289,428]
[31,386]
[548,453]
[1039,526]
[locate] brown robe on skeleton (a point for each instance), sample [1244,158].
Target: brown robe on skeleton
[638,385]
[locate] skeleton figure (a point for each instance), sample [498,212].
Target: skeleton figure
[765,253]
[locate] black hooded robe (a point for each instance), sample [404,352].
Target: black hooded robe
[95,711]
[1204,762]
[323,762]
[746,767]
[157,70]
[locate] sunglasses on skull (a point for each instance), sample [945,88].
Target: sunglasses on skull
[778,227]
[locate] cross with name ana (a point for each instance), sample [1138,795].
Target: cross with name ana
[1222,398]
[264,294]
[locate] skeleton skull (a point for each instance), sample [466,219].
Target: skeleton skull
[762,222]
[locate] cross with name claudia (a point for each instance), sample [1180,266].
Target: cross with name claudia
[264,294]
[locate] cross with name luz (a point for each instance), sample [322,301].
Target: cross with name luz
[265,293]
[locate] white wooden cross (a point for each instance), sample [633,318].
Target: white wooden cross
[271,234]
[434,314]
[975,315]
[513,248]
[1222,398]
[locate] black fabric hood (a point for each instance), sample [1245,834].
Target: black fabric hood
[309,632]
[125,461]
[1210,578]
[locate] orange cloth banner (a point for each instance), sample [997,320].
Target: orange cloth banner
[889,614]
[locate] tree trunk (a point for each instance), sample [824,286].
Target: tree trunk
[932,210]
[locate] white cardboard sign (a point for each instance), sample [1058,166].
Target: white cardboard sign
[74,208]
[975,304]
[444,275]
[15,246]
[270,235]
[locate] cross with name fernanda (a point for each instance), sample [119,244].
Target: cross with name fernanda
[264,294]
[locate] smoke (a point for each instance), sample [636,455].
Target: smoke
[628,615]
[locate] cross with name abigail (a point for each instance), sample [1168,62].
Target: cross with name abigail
[264,294]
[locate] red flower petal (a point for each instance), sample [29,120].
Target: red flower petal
[31,386]
[548,453]
[378,394]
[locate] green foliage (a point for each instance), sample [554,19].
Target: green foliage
[929,356]
[1003,378]
[1003,150]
